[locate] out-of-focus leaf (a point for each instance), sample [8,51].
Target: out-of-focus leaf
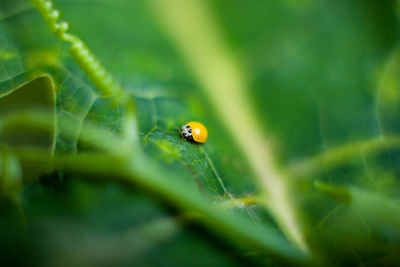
[321,76]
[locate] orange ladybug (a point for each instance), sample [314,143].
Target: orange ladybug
[194,131]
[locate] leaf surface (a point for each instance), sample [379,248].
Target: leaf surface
[321,76]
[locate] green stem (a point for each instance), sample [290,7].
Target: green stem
[86,60]
[142,171]
[42,120]
[340,155]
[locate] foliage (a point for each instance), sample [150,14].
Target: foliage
[301,100]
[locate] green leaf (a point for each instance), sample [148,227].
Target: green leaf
[292,92]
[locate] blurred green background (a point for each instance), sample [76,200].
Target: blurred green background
[322,77]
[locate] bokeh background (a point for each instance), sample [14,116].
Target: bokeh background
[322,78]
